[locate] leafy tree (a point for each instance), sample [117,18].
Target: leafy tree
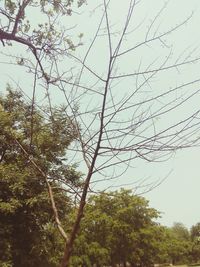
[195,237]
[179,245]
[28,234]
[195,232]
[180,231]
[161,241]
[117,228]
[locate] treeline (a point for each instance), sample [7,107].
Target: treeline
[118,227]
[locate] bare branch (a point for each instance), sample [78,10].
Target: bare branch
[57,220]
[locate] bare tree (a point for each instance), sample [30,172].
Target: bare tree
[121,111]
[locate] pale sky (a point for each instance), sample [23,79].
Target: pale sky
[177,197]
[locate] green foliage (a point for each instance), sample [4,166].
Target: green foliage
[28,234]
[195,237]
[48,7]
[195,232]
[179,244]
[116,228]
[119,228]
[180,231]
[48,32]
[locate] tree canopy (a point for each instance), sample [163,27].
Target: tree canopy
[28,229]
[118,227]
